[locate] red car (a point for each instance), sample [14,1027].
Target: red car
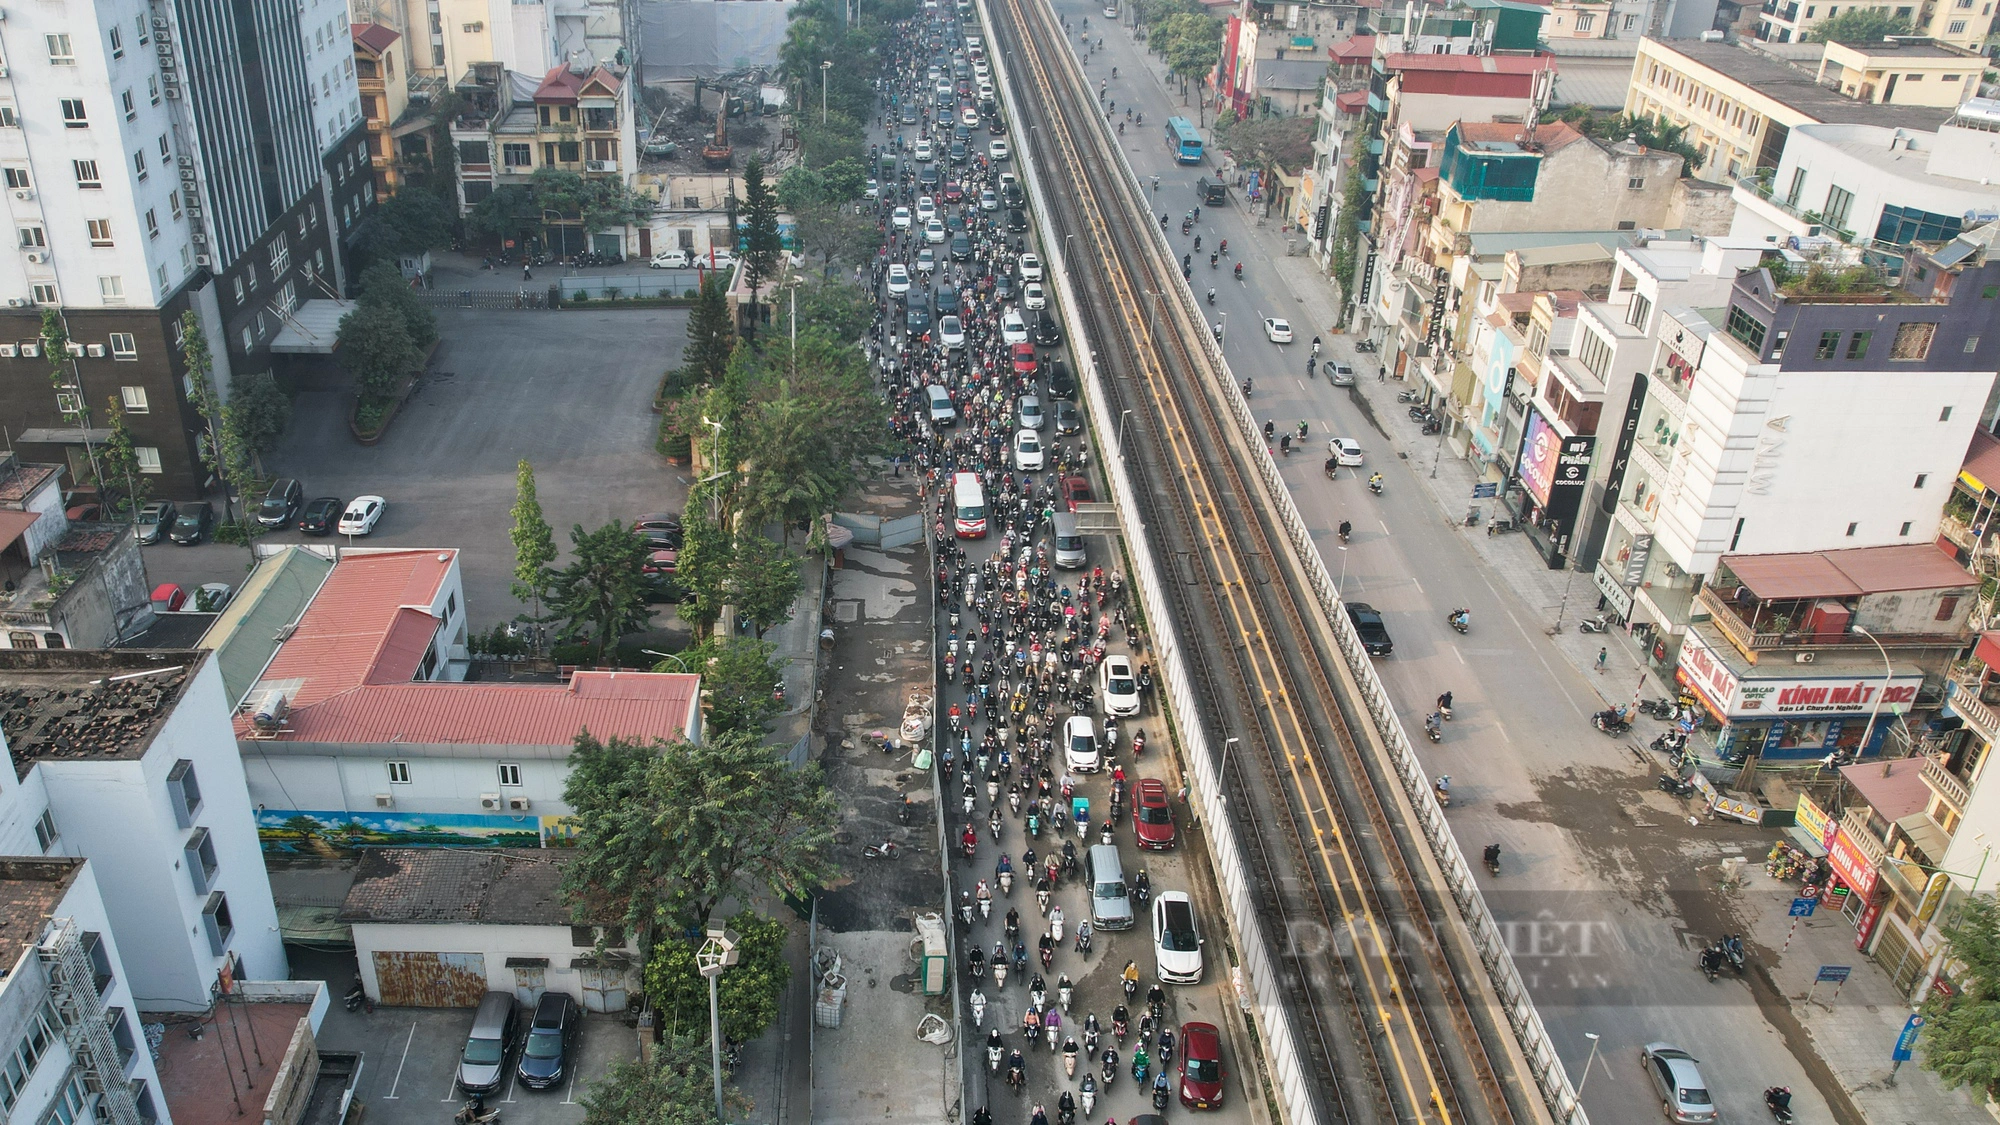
[1152,816]
[954,192]
[661,562]
[1075,490]
[1201,1066]
[1025,362]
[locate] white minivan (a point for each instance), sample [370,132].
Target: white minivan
[943,413]
[968,506]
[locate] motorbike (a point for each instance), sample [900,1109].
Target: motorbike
[978,1002]
[1110,1064]
[356,997]
[1017,1072]
[1162,1093]
[1460,620]
[1246,388]
[1442,787]
[1433,727]
[1777,1099]
[1056,923]
[1492,857]
[1678,786]
[1064,990]
[984,897]
[1087,1094]
[1211,295]
[1597,624]
[1409,395]
[1611,721]
[1375,484]
[1659,708]
[1364,345]
[975,963]
[474,1112]
[1710,962]
[1731,947]
[1142,1066]
[993,824]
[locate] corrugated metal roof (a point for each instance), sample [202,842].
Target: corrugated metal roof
[246,632]
[1847,574]
[342,634]
[374,36]
[1981,467]
[1894,789]
[509,886]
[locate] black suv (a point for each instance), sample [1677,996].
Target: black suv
[1061,383]
[551,1038]
[1044,329]
[281,503]
[947,301]
[1368,623]
[1017,221]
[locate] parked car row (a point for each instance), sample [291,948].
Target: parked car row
[188,523]
[545,1052]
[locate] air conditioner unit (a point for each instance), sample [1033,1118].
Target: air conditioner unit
[38,257]
[73,348]
[600,165]
[186,161]
[3,70]
[69,403]
[1804,657]
[7,351]
[166,60]
[94,351]
[200,239]
[164,49]
[173,93]
[203,260]
[160,21]
[30,351]
[384,801]
[518,804]
[489,800]
[24,194]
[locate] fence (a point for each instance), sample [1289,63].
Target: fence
[526,297]
[876,531]
[652,283]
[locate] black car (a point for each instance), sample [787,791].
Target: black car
[320,516]
[961,248]
[962,133]
[1368,623]
[1003,287]
[551,1038]
[918,319]
[1061,383]
[928,179]
[1044,329]
[662,531]
[1013,196]
[947,301]
[995,126]
[281,502]
[957,153]
[909,115]
[1017,221]
[192,525]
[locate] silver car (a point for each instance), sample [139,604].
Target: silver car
[1683,1094]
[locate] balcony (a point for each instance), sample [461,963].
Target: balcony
[1945,783]
[1773,625]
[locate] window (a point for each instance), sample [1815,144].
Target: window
[399,773]
[1778,343]
[1594,354]
[1829,345]
[281,255]
[1637,311]
[1971,344]
[7,118]
[174,204]
[183,792]
[123,346]
[1947,605]
[517,155]
[112,289]
[1921,478]
[1631,22]
[569,151]
[134,400]
[510,773]
[1838,200]
[139,164]
[1945,414]
[100,960]
[1913,340]
[60,53]
[145,34]
[74,116]
[215,916]
[201,861]
[1584,20]
[121,1034]
[131,105]
[152,223]
[166,150]
[1746,328]
[1901,226]
[1906,528]
[100,232]
[1955,27]
[45,293]
[45,831]
[86,174]
[34,237]
[1635,183]
[1857,344]
[1851,529]
[153,88]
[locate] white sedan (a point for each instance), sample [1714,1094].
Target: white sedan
[924,149]
[362,514]
[1013,330]
[1346,451]
[1080,750]
[901,219]
[926,260]
[934,231]
[999,151]
[1034,296]
[951,333]
[1028,451]
[669,260]
[1031,267]
[926,209]
[1119,686]
[1280,331]
[899,280]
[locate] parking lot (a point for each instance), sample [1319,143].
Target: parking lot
[570,391]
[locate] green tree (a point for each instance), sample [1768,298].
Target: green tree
[746,996]
[509,212]
[256,416]
[703,568]
[604,587]
[591,204]
[840,308]
[1961,1040]
[1859,25]
[383,284]
[836,233]
[810,416]
[534,542]
[1192,45]
[711,333]
[761,244]
[222,452]
[764,581]
[375,345]
[675,1088]
[739,680]
[413,220]
[667,831]
[118,458]
[1268,142]
[1650,132]
[67,378]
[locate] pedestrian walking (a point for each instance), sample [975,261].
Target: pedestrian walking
[1603,655]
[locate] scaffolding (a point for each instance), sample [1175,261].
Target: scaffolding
[73,992]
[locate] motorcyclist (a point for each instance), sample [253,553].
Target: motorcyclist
[1211,294]
[1331,466]
[1778,1099]
[1492,855]
[1346,529]
[1375,481]
[1444,700]
[1239,271]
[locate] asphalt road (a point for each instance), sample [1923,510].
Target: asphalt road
[1601,871]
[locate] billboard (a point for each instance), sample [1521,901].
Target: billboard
[1541,447]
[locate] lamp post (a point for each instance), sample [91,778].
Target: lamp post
[1587,1064]
[675,657]
[1888,675]
[824,66]
[1340,587]
[715,955]
[1121,433]
[1227,743]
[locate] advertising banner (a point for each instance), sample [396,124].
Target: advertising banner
[1541,447]
[1815,822]
[1851,864]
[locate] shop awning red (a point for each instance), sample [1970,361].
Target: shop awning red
[1988,650]
[1785,577]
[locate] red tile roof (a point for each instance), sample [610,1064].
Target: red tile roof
[1895,789]
[374,36]
[1353,49]
[1549,135]
[561,84]
[356,620]
[1472,64]
[1352,101]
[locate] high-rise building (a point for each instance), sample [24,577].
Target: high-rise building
[161,156]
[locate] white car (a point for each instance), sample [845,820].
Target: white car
[926,209]
[1340,374]
[988,201]
[968,116]
[924,149]
[934,231]
[362,514]
[1176,941]
[669,260]
[874,190]
[1031,267]
[1033,296]
[926,260]
[1346,451]
[951,333]
[1118,686]
[1013,330]
[1280,331]
[1028,451]
[899,280]
[1080,750]
[999,151]
[901,219]
[1007,180]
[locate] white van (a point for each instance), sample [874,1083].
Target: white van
[1069,541]
[943,413]
[968,505]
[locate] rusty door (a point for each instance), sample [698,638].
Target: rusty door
[430,980]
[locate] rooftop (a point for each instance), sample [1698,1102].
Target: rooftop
[1981,467]
[374,36]
[1355,48]
[1904,47]
[88,704]
[207,1080]
[503,886]
[1290,74]
[1906,154]
[1796,88]
[562,84]
[1895,788]
[1470,64]
[248,631]
[31,599]
[19,481]
[30,890]
[1847,574]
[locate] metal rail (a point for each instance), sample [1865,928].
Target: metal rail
[1341,870]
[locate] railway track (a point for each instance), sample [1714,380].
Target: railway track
[1376,1007]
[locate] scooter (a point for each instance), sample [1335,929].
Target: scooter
[978,1002]
[1162,1093]
[1442,787]
[1460,620]
[1611,722]
[1678,786]
[1598,624]
[1777,1099]
[357,996]
[1409,395]
[1375,484]
[1433,727]
[474,1112]
[1086,1094]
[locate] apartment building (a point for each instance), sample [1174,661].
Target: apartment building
[1739,105]
[150,173]
[1274,54]
[382,79]
[1631,19]
[447,37]
[1960,23]
[573,118]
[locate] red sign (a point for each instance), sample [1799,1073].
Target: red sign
[1851,864]
[1866,927]
[1708,675]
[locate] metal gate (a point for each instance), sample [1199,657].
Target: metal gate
[430,980]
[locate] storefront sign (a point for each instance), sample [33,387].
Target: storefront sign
[1865,928]
[1367,278]
[1826,697]
[1540,449]
[1614,591]
[1635,560]
[1814,821]
[1851,863]
[1621,453]
[1566,490]
[1704,671]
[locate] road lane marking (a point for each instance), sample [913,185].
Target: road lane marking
[411,1038]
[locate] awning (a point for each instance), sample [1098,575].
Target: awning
[1894,789]
[15,524]
[1925,834]
[527,962]
[1785,577]
[63,435]
[311,328]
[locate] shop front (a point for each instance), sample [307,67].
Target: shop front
[1554,472]
[1853,891]
[1779,713]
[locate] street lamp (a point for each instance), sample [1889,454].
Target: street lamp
[824,66]
[1340,587]
[715,955]
[1587,1064]
[675,657]
[1224,767]
[1121,433]
[1888,675]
